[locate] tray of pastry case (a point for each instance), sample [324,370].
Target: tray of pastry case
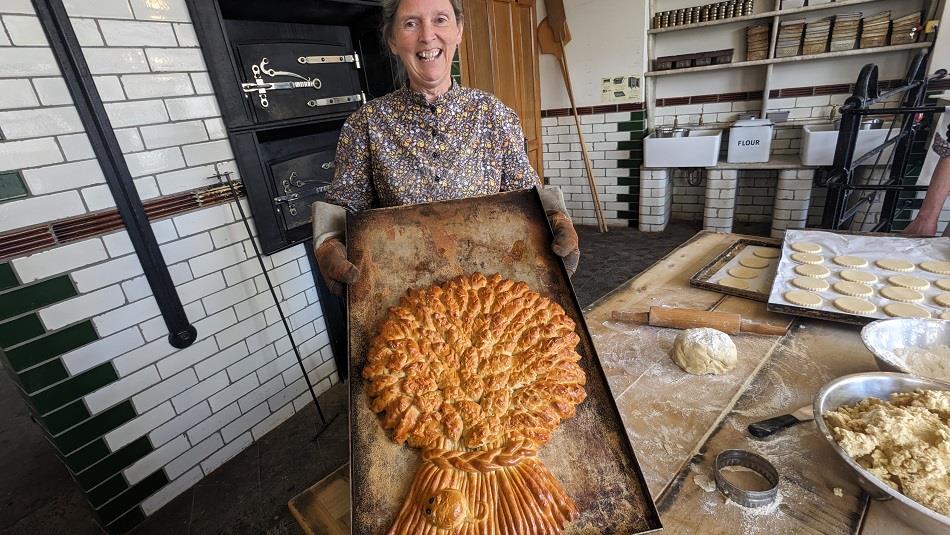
[415,246]
[718,274]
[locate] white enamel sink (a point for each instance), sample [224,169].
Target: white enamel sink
[700,149]
[819,141]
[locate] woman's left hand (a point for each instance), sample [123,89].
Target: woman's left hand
[565,242]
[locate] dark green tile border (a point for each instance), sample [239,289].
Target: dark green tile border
[112,464]
[109,489]
[12,186]
[52,345]
[132,497]
[630,126]
[126,522]
[20,330]
[86,456]
[74,388]
[7,277]
[95,427]
[62,419]
[34,296]
[43,375]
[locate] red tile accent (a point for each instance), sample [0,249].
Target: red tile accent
[733,97]
[676,101]
[630,106]
[833,89]
[703,99]
[796,92]
[29,240]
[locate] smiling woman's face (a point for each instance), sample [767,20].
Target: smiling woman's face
[425,35]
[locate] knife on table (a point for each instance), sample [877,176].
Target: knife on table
[767,428]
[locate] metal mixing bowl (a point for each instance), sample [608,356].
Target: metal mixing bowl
[883,337]
[851,389]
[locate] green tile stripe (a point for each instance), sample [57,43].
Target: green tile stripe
[132,497]
[630,145]
[52,345]
[87,455]
[126,522]
[630,126]
[20,330]
[95,427]
[60,420]
[108,464]
[12,186]
[73,388]
[109,489]
[42,376]
[34,296]
[7,277]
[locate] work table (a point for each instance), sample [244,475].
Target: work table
[678,422]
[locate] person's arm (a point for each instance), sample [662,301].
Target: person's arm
[517,173]
[926,221]
[352,190]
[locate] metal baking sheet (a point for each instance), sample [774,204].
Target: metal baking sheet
[407,247]
[710,274]
[871,247]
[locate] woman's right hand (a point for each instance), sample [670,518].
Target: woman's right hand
[337,271]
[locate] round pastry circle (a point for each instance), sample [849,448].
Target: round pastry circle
[806,247]
[742,272]
[803,298]
[767,252]
[850,261]
[935,266]
[754,262]
[908,281]
[905,310]
[894,264]
[703,351]
[474,363]
[811,270]
[853,288]
[945,315]
[855,305]
[854,275]
[943,300]
[905,295]
[734,283]
[809,283]
[807,258]
[943,284]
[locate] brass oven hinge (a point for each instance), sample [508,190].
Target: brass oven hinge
[317,60]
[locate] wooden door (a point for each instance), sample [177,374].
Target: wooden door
[499,54]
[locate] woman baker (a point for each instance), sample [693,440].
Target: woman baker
[431,140]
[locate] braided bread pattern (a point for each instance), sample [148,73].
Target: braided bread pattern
[476,363]
[482,460]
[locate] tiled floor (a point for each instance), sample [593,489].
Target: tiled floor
[249,493]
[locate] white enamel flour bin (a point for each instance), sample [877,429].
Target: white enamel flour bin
[750,141]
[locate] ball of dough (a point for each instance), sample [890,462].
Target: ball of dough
[704,351]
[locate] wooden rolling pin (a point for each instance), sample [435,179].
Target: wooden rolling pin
[685,318]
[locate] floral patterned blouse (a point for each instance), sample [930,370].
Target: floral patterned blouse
[399,149]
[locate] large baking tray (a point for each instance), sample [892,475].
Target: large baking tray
[702,277]
[414,246]
[828,312]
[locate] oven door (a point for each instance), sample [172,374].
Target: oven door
[300,181]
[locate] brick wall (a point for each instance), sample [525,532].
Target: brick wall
[616,151]
[136,421]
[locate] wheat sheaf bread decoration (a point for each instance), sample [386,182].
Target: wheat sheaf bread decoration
[477,372]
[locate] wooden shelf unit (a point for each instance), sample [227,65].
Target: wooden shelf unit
[769,63]
[763,15]
[792,59]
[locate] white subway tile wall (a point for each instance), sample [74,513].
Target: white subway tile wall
[198,406]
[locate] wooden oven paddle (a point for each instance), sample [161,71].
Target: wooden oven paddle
[553,34]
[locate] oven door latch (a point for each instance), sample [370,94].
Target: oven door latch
[290,196]
[262,87]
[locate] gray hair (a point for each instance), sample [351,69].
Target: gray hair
[390,7]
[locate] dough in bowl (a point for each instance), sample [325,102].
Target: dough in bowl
[704,351]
